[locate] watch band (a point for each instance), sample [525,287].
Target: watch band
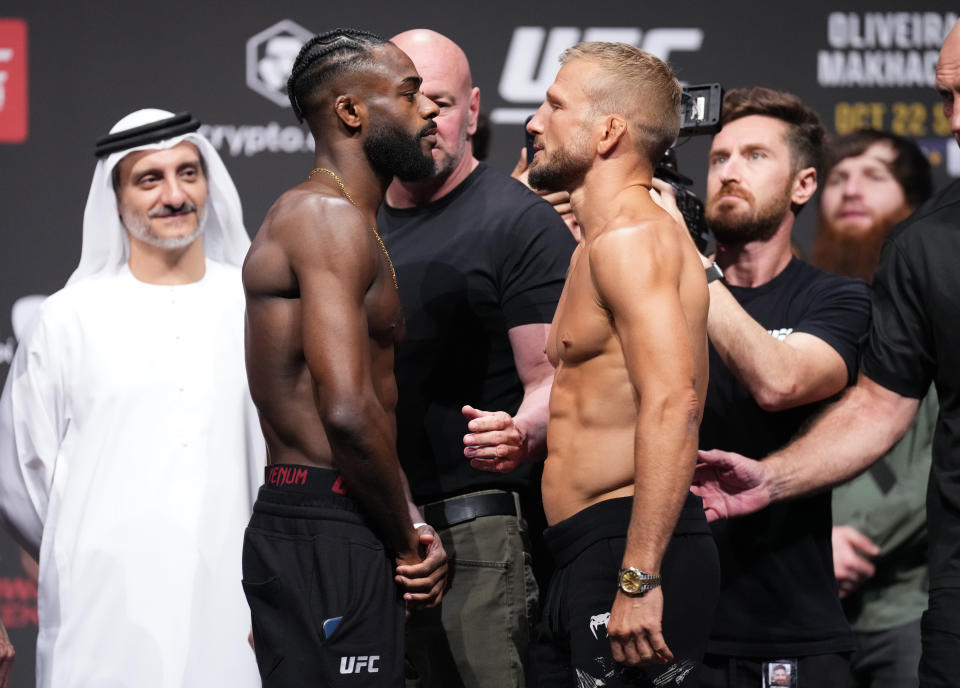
[713,273]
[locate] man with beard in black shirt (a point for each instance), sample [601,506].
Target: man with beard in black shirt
[913,341]
[783,338]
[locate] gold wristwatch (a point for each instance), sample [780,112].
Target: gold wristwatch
[635,582]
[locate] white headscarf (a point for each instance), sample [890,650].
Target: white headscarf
[106,248]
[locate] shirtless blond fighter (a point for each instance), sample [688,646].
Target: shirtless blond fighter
[630,348]
[323,319]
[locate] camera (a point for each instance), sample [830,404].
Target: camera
[700,117]
[688,204]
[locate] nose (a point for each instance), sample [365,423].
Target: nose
[428,109]
[730,170]
[173,193]
[852,187]
[535,125]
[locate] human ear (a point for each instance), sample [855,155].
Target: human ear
[474,110]
[613,130]
[351,110]
[804,186]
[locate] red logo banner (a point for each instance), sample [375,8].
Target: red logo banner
[13,81]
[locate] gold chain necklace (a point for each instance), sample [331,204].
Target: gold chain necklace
[346,194]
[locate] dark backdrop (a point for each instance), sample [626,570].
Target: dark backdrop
[68,71]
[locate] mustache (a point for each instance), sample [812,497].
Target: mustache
[429,128]
[169,210]
[854,206]
[734,189]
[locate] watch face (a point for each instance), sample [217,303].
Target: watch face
[630,581]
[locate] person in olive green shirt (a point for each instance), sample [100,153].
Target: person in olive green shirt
[874,180]
[885,593]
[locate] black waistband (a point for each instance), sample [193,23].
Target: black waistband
[310,480]
[611,518]
[463,508]
[305,486]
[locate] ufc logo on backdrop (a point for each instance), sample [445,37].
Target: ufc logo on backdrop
[13,80]
[532,59]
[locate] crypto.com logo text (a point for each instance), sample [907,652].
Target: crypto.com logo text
[532,59]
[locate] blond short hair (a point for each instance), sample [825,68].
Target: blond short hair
[636,85]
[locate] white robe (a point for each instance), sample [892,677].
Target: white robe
[130,442]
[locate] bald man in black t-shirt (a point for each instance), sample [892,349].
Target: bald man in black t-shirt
[480,265]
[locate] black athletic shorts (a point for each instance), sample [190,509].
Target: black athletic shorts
[326,609]
[572,647]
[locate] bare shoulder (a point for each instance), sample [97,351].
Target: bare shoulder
[305,229]
[635,244]
[305,215]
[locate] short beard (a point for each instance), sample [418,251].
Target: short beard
[139,228]
[760,226]
[563,172]
[394,153]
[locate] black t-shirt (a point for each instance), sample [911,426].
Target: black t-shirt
[778,594]
[915,338]
[489,256]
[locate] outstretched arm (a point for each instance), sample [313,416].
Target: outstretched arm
[783,373]
[780,374]
[637,272]
[849,436]
[500,442]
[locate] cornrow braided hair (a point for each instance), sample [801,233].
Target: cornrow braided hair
[324,56]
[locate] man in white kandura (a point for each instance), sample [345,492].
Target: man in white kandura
[130,451]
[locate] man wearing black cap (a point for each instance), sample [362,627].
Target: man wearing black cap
[130,448]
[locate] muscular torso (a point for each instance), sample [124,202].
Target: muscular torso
[594,404]
[281,383]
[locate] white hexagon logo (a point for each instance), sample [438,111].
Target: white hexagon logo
[270,56]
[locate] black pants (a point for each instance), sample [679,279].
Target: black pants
[887,659]
[572,647]
[940,628]
[326,610]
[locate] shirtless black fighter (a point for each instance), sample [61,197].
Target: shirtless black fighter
[323,318]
